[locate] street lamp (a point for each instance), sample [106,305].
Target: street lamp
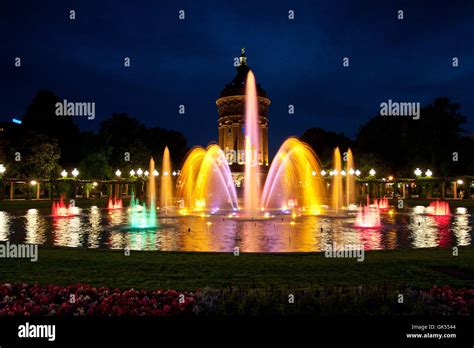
[147,173]
[64,173]
[323,172]
[418,172]
[165,173]
[351,171]
[460,182]
[313,173]
[429,173]
[357,172]
[132,173]
[174,173]
[75,172]
[372,172]
[2,169]
[33,182]
[118,173]
[343,172]
[155,173]
[139,172]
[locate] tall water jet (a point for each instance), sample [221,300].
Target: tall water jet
[166,190]
[337,189]
[139,215]
[151,188]
[293,180]
[350,179]
[252,175]
[206,182]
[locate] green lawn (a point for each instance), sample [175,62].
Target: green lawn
[188,271]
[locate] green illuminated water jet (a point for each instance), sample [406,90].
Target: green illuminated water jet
[139,215]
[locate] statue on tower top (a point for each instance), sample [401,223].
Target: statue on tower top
[243,57]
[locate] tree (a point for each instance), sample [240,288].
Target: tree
[324,142]
[405,143]
[41,118]
[39,158]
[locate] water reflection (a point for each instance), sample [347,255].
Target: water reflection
[4,225]
[98,228]
[35,227]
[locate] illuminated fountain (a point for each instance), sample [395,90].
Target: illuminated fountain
[205,182]
[292,180]
[139,215]
[114,203]
[59,209]
[439,208]
[337,189]
[166,190]
[368,216]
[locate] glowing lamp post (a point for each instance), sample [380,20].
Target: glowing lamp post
[118,173]
[429,173]
[2,169]
[155,173]
[323,172]
[372,172]
[313,173]
[139,172]
[418,172]
[146,173]
[132,173]
[357,172]
[75,173]
[64,173]
[351,171]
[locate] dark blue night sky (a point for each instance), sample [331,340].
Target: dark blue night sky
[189,61]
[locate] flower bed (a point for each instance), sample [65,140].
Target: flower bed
[84,300]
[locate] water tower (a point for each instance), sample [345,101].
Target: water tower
[231,122]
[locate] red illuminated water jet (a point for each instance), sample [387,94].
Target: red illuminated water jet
[439,208]
[114,203]
[59,209]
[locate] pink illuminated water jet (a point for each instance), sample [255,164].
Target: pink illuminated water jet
[440,208]
[114,203]
[252,175]
[368,216]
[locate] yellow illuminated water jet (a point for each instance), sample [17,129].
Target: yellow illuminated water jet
[293,180]
[205,182]
[166,189]
[337,189]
